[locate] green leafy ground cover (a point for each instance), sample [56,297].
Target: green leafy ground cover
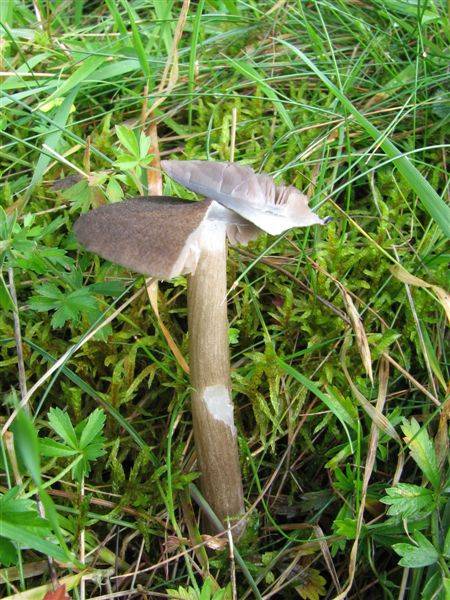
[338,350]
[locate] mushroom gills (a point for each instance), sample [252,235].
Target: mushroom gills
[255,197]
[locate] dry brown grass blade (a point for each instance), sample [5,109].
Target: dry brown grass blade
[17,335]
[383,377]
[10,449]
[327,556]
[403,275]
[170,74]
[152,291]
[442,441]
[194,536]
[411,379]
[360,333]
[30,569]
[154,176]
[374,413]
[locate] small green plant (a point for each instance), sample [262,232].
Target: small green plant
[209,591]
[42,534]
[22,247]
[423,512]
[70,299]
[21,525]
[83,443]
[133,156]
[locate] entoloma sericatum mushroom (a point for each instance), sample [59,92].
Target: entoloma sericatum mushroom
[165,237]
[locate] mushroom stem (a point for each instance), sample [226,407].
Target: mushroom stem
[212,406]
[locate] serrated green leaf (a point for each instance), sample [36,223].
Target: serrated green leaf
[53,448]
[114,191]
[68,306]
[126,161]
[128,139]
[206,591]
[95,450]
[182,593]
[408,500]
[93,427]
[79,196]
[98,397]
[422,450]
[61,424]
[423,554]
[345,527]
[145,142]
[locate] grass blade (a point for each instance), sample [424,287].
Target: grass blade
[137,42]
[250,72]
[88,67]
[428,196]
[337,409]
[52,140]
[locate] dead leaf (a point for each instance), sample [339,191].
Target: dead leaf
[58,594]
[312,585]
[441,439]
[213,542]
[444,297]
[173,543]
[406,277]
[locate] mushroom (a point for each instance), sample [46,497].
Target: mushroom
[165,237]
[273,208]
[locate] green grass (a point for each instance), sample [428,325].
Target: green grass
[346,100]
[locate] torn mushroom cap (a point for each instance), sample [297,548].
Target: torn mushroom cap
[160,236]
[255,197]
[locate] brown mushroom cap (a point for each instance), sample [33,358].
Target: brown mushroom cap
[146,234]
[157,235]
[255,197]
